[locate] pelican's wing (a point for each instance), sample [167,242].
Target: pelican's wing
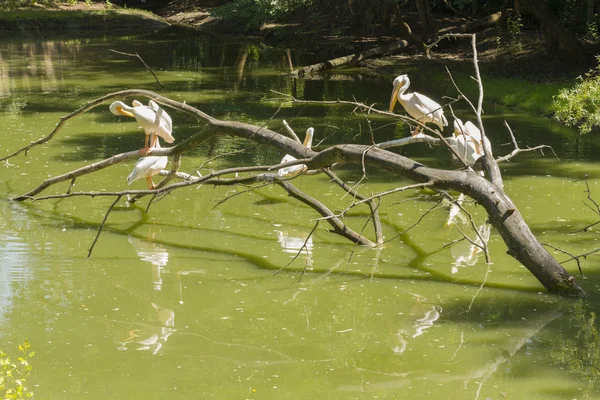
[473,130]
[429,107]
[165,118]
[142,166]
[291,170]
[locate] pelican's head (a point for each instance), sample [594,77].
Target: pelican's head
[153,105]
[399,82]
[308,138]
[459,128]
[120,108]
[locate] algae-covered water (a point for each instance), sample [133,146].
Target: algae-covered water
[183,302]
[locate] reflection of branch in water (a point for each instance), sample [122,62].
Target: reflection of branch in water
[315,281]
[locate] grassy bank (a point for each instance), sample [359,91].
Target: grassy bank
[41,20]
[518,93]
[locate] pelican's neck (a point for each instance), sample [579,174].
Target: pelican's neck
[402,89]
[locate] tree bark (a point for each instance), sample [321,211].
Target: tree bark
[427,22]
[554,27]
[591,10]
[474,8]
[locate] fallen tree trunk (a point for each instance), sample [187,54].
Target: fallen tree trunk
[394,47]
[352,58]
[474,26]
[503,214]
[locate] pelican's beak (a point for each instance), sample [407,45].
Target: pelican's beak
[308,138]
[394,97]
[127,113]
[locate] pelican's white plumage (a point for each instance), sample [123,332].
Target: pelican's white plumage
[153,119]
[147,167]
[294,170]
[468,141]
[418,106]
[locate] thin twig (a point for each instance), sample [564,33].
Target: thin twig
[416,223]
[372,206]
[518,150]
[289,130]
[573,257]
[143,62]
[102,225]
[298,253]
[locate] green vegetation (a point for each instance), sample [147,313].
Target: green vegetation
[580,105]
[523,95]
[251,14]
[14,374]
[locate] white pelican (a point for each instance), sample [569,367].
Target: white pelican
[420,107]
[152,118]
[468,141]
[148,167]
[294,170]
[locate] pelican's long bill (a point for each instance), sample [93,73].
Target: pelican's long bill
[127,113]
[394,97]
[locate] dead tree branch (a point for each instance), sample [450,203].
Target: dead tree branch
[114,203]
[518,150]
[372,206]
[573,256]
[136,55]
[502,212]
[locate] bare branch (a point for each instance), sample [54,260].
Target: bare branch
[388,192]
[143,62]
[102,225]
[238,193]
[518,150]
[338,226]
[289,129]
[573,257]
[298,253]
[436,205]
[422,138]
[374,213]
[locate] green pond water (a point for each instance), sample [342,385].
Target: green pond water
[183,302]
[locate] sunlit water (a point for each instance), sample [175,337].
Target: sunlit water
[184,302]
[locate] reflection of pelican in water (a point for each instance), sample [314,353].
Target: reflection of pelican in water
[291,244]
[150,337]
[466,254]
[154,254]
[422,317]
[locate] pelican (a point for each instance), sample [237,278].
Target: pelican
[419,106]
[152,118]
[148,167]
[294,170]
[468,141]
